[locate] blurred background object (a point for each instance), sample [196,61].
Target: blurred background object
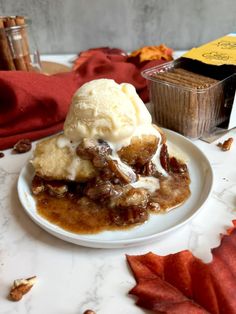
[75,25]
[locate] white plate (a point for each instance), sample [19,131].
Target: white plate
[201,175]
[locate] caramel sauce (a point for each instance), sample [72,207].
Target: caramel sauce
[83,216]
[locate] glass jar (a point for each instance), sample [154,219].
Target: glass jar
[18,50]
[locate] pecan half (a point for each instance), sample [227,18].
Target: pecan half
[125,176]
[177,166]
[102,190]
[37,185]
[164,158]
[226,145]
[56,188]
[22,146]
[94,150]
[21,287]
[89,312]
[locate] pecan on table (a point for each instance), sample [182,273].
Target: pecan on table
[226,145]
[21,287]
[22,146]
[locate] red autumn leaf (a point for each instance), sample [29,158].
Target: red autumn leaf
[181,283]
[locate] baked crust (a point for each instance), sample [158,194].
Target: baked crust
[52,163]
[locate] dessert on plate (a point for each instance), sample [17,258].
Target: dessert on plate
[110,168]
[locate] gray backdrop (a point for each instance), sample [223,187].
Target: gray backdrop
[69,26]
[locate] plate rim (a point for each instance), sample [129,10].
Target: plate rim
[84,240]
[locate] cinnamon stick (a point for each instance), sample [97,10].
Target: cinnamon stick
[16,43]
[20,21]
[9,21]
[6,61]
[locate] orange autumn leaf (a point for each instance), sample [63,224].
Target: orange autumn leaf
[149,53]
[181,283]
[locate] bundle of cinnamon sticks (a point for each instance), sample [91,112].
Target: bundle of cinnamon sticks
[14,44]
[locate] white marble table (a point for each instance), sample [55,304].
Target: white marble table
[71,278]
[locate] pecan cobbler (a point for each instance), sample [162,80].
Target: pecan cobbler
[110,169]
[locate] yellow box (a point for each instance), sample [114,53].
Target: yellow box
[221,51]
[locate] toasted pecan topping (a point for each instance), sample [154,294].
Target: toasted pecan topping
[38,185]
[164,158]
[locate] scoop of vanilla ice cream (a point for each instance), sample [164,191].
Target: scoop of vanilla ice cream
[103,109]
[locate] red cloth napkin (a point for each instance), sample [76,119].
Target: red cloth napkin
[34,105]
